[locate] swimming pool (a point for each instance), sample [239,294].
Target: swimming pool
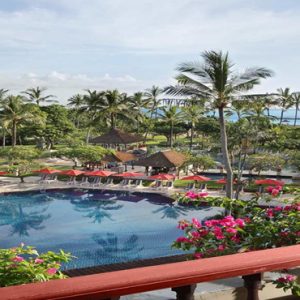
[97,226]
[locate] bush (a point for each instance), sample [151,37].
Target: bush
[23,264]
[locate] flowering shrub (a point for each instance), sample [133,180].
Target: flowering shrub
[256,229]
[212,238]
[22,265]
[236,207]
[288,282]
[275,191]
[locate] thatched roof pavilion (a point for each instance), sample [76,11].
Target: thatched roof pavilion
[116,137]
[163,159]
[119,157]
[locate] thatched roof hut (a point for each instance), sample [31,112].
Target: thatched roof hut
[163,159]
[116,137]
[119,157]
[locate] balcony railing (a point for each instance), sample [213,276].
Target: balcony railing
[182,277]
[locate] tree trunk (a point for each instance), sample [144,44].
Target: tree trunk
[171,135]
[3,138]
[281,117]
[296,114]
[191,139]
[14,134]
[226,160]
[112,121]
[87,138]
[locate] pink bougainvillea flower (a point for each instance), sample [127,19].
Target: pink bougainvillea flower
[196,223]
[182,239]
[287,279]
[51,271]
[218,233]
[269,189]
[275,192]
[196,234]
[240,222]
[270,213]
[18,259]
[38,261]
[203,194]
[208,223]
[221,247]
[198,255]
[183,224]
[231,230]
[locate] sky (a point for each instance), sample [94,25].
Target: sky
[72,45]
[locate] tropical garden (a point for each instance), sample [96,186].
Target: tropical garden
[210,114]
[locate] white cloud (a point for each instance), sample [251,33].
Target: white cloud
[150,26]
[65,85]
[65,35]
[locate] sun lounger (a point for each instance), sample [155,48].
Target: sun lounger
[72,180]
[109,182]
[138,183]
[84,181]
[169,185]
[202,187]
[190,186]
[48,179]
[157,185]
[96,182]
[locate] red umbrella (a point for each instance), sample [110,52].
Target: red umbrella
[129,174]
[3,173]
[99,173]
[268,182]
[196,178]
[72,172]
[162,176]
[47,171]
[224,181]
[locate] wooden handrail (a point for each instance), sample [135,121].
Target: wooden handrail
[115,284]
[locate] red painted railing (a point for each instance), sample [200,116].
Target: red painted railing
[181,277]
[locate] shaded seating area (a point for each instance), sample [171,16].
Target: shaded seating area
[119,158]
[162,162]
[116,139]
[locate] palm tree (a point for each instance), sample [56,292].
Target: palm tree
[192,113]
[77,102]
[140,103]
[118,105]
[171,116]
[152,95]
[92,105]
[3,127]
[35,95]
[296,102]
[15,112]
[215,81]
[285,100]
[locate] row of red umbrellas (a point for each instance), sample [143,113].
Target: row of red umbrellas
[161,176]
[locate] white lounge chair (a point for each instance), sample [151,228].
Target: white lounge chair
[72,180]
[48,179]
[158,185]
[138,183]
[169,185]
[96,182]
[109,182]
[190,186]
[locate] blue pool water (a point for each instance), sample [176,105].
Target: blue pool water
[98,227]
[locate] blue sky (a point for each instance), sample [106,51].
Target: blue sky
[70,45]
